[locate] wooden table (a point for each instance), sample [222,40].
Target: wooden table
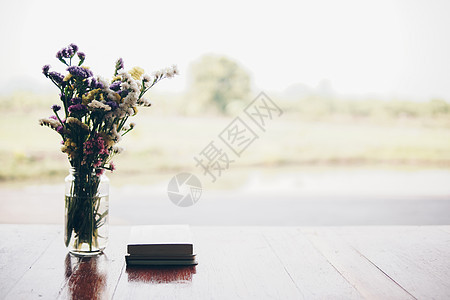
[393,262]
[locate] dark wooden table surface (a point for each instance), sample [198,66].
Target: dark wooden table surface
[392,262]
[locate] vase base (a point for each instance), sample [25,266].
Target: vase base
[85,253]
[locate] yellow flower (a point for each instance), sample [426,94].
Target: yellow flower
[117,97]
[75,121]
[85,100]
[115,78]
[135,110]
[69,148]
[89,96]
[68,143]
[136,72]
[67,77]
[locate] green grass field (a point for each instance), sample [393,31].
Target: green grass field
[165,142]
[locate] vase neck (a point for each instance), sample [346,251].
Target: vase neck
[75,171]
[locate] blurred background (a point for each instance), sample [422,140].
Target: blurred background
[364,87]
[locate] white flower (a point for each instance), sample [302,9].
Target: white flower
[114,134]
[144,102]
[124,85]
[147,78]
[117,150]
[175,70]
[139,84]
[98,105]
[103,81]
[148,84]
[134,87]
[171,71]
[129,100]
[120,113]
[125,75]
[158,73]
[54,124]
[113,95]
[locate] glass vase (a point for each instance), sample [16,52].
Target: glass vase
[86,211]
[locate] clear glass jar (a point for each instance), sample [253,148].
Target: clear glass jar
[86,212]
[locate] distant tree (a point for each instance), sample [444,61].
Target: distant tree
[438,107]
[217,81]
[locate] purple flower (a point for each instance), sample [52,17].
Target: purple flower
[45,70]
[93,83]
[96,84]
[79,72]
[76,100]
[112,104]
[54,118]
[123,93]
[74,47]
[68,52]
[119,64]
[55,107]
[82,57]
[77,109]
[63,53]
[115,86]
[56,77]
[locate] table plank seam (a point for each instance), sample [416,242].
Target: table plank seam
[118,280]
[372,263]
[331,264]
[67,279]
[32,264]
[284,267]
[334,267]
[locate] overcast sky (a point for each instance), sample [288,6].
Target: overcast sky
[394,48]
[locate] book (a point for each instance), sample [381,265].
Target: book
[131,261]
[168,257]
[160,240]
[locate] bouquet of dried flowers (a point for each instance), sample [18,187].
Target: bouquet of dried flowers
[91,119]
